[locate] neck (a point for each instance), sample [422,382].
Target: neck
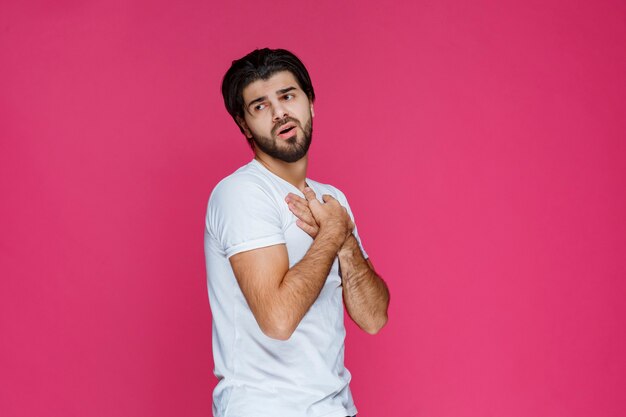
[292,172]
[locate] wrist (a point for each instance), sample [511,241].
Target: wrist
[333,236]
[350,245]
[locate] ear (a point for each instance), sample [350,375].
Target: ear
[312,111]
[244,127]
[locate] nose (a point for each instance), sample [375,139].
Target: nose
[279,112]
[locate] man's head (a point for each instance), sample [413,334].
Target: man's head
[266,92]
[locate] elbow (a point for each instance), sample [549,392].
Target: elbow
[376,325]
[278,330]
[278,334]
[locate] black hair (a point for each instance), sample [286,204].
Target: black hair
[260,64]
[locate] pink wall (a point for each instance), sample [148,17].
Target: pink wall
[482,145]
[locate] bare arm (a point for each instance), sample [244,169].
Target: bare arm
[365,294]
[278,296]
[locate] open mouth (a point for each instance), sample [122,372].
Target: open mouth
[285,130]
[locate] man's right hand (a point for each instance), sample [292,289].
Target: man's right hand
[331,216]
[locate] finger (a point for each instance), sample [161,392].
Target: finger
[297,199]
[303,213]
[307,216]
[309,194]
[291,197]
[310,230]
[327,198]
[295,209]
[300,208]
[302,205]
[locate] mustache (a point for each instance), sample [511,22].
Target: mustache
[283,122]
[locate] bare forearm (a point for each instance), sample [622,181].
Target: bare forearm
[365,294]
[304,281]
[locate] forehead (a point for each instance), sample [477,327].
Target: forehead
[263,88]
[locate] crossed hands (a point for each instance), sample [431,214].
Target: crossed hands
[314,216]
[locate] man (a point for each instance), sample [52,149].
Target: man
[280,260]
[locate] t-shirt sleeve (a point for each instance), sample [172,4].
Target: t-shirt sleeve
[242,216]
[344,202]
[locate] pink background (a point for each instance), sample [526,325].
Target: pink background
[481,144]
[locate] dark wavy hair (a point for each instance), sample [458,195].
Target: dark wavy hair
[260,64]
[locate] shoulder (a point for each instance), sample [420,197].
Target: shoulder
[241,186]
[242,206]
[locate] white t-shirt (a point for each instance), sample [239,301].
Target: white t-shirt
[259,376]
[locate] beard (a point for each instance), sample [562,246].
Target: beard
[287,150]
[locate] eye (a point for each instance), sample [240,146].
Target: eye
[260,107]
[287,97]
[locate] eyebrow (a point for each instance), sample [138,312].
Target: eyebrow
[285,90]
[278,92]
